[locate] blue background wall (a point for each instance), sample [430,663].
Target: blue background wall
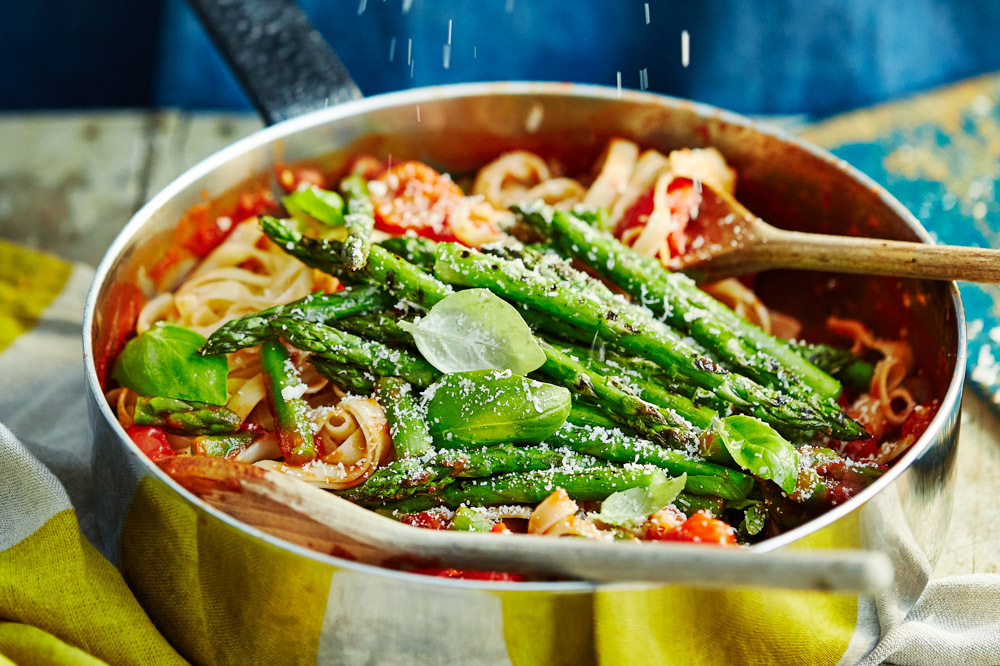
[780,56]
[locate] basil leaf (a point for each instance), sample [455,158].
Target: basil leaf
[492,407]
[639,503]
[164,362]
[322,205]
[753,519]
[757,448]
[476,330]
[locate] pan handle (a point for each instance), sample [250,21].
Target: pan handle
[281,61]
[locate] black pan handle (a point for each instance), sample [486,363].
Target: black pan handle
[283,63]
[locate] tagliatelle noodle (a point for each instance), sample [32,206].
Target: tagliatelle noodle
[124,401]
[357,432]
[558,192]
[648,168]
[890,372]
[661,223]
[556,515]
[262,448]
[245,273]
[617,165]
[475,222]
[706,165]
[508,178]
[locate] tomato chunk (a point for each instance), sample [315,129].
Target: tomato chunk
[152,441]
[683,198]
[431,520]
[121,311]
[412,196]
[201,234]
[700,527]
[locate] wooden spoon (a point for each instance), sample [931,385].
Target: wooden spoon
[303,514]
[729,240]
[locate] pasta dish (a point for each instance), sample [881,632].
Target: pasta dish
[506,351]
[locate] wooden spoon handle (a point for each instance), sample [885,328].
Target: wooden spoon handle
[862,572]
[287,508]
[848,254]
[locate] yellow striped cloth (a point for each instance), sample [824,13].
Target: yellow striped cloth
[61,601]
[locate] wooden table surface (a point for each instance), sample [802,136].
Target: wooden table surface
[70,181]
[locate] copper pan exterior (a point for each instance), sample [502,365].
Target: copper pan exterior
[224,592]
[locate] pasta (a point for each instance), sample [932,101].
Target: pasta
[556,389]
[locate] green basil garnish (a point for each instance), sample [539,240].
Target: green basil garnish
[492,407]
[164,362]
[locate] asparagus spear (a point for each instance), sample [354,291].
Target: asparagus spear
[185,417]
[415,249]
[558,269]
[668,426]
[677,298]
[469,520]
[555,328]
[360,220]
[646,377]
[410,436]
[295,435]
[396,275]
[532,487]
[584,413]
[352,378]
[704,478]
[222,446]
[841,363]
[406,477]
[380,326]
[641,336]
[636,383]
[688,504]
[316,307]
[344,348]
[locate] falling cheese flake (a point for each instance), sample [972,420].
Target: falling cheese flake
[647,13]
[392,49]
[447,56]
[685,48]
[361,7]
[619,84]
[534,119]
[418,113]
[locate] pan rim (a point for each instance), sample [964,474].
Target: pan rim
[268,135]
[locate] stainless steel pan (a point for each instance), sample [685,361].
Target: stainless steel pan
[223,591]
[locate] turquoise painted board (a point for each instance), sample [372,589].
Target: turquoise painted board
[939,154]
